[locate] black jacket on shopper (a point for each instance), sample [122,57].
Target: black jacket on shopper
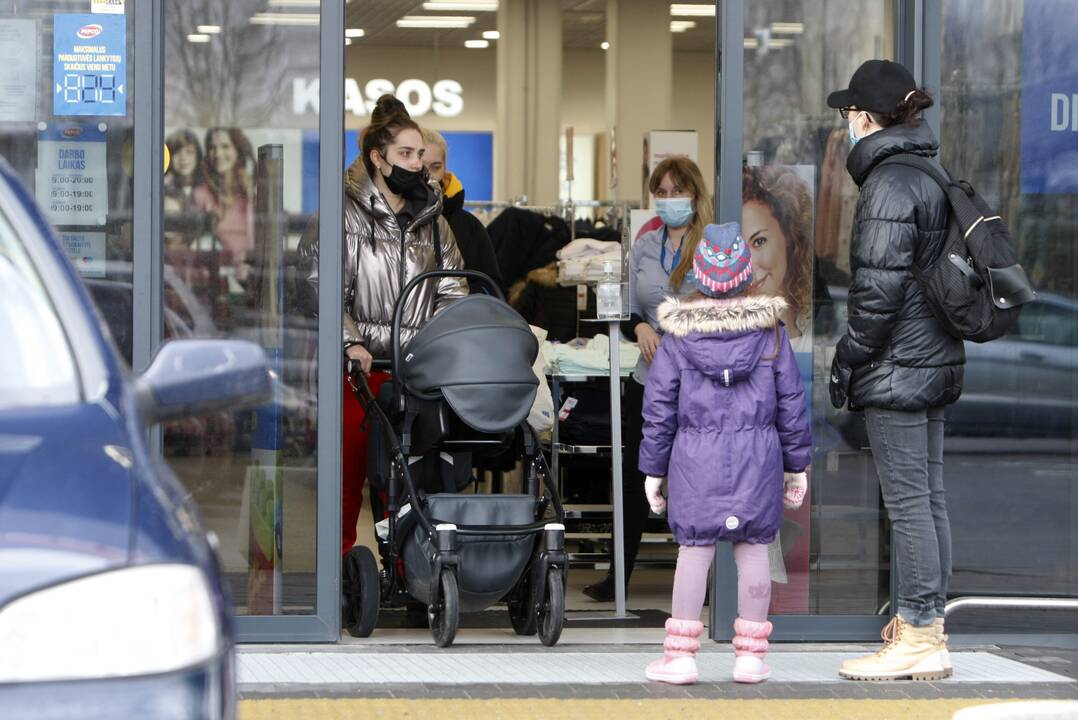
[895,355]
[472,239]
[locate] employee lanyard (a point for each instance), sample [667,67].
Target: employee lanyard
[662,253]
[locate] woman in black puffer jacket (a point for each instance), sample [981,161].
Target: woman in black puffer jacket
[896,361]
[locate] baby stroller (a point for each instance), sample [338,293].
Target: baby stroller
[464,384]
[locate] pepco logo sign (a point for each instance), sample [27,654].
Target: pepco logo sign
[89,31]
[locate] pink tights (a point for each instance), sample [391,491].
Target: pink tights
[753,581]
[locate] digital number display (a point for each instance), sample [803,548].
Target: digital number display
[89,88]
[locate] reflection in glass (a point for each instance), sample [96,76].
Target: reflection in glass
[238,193]
[70,139]
[831,556]
[1010,457]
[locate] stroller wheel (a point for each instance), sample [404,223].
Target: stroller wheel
[552,610]
[444,622]
[362,592]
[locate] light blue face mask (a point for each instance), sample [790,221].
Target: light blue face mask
[853,138]
[675,212]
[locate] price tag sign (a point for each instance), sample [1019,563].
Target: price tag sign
[89,68]
[72,174]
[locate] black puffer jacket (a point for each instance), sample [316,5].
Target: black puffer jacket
[895,355]
[471,236]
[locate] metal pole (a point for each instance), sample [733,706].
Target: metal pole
[616,469]
[1024,603]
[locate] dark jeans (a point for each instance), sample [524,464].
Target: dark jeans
[908,450]
[634,501]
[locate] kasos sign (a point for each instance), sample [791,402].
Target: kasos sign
[445,98]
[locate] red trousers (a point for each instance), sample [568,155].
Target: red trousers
[354,460]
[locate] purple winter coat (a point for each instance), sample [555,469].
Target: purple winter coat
[723,418]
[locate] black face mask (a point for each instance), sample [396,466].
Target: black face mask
[409,184]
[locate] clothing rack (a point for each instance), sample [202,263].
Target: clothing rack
[617,213]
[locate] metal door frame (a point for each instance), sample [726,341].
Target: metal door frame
[149,109]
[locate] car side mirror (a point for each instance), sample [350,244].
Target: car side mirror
[196,377]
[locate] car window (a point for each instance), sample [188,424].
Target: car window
[36,364]
[1048,324]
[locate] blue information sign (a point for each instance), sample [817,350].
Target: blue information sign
[1049,97]
[89,67]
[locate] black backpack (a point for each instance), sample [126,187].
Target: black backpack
[974,286]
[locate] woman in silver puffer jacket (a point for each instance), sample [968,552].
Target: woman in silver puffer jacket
[390,212]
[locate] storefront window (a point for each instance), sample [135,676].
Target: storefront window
[67,128]
[832,554]
[1007,124]
[240,189]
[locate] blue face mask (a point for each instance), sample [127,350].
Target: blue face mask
[675,212]
[853,138]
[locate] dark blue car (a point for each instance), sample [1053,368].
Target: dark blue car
[111,602]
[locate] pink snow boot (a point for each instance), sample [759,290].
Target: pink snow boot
[678,663]
[750,646]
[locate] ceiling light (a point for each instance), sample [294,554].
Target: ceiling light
[198,38]
[462,6]
[604,45]
[294,3]
[680,26]
[348,41]
[209,29]
[751,43]
[435,21]
[779,42]
[285,19]
[477,44]
[787,28]
[690,10]
[354,33]
[491,34]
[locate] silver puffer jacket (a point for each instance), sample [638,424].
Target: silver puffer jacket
[376,270]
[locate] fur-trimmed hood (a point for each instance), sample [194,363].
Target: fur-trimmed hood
[724,339]
[709,316]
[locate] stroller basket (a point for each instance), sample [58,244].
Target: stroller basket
[491,563]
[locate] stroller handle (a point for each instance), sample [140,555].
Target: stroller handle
[398,308]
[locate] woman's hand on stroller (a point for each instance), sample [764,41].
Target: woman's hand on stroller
[359,355]
[653,488]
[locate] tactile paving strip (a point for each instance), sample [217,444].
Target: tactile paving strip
[591,668]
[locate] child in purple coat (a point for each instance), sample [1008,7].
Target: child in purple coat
[727,432]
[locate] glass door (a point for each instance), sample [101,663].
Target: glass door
[67,127]
[783,177]
[248,148]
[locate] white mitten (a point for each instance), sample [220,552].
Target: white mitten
[794,487]
[653,488]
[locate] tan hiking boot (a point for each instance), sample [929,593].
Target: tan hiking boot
[945,657]
[909,653]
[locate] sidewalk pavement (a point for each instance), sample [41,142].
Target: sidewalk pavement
[583,669]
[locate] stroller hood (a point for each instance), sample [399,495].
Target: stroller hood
[478,353]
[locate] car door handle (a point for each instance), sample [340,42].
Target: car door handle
[1034,356]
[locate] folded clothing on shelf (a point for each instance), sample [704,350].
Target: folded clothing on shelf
[589,357]
[584,261]
[586,248]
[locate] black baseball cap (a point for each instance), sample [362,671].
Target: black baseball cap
[878,85]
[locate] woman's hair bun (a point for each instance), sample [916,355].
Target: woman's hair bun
[389,109]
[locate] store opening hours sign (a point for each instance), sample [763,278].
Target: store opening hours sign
[89,68]
[72,174]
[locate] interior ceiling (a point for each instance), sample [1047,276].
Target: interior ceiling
[583,26]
